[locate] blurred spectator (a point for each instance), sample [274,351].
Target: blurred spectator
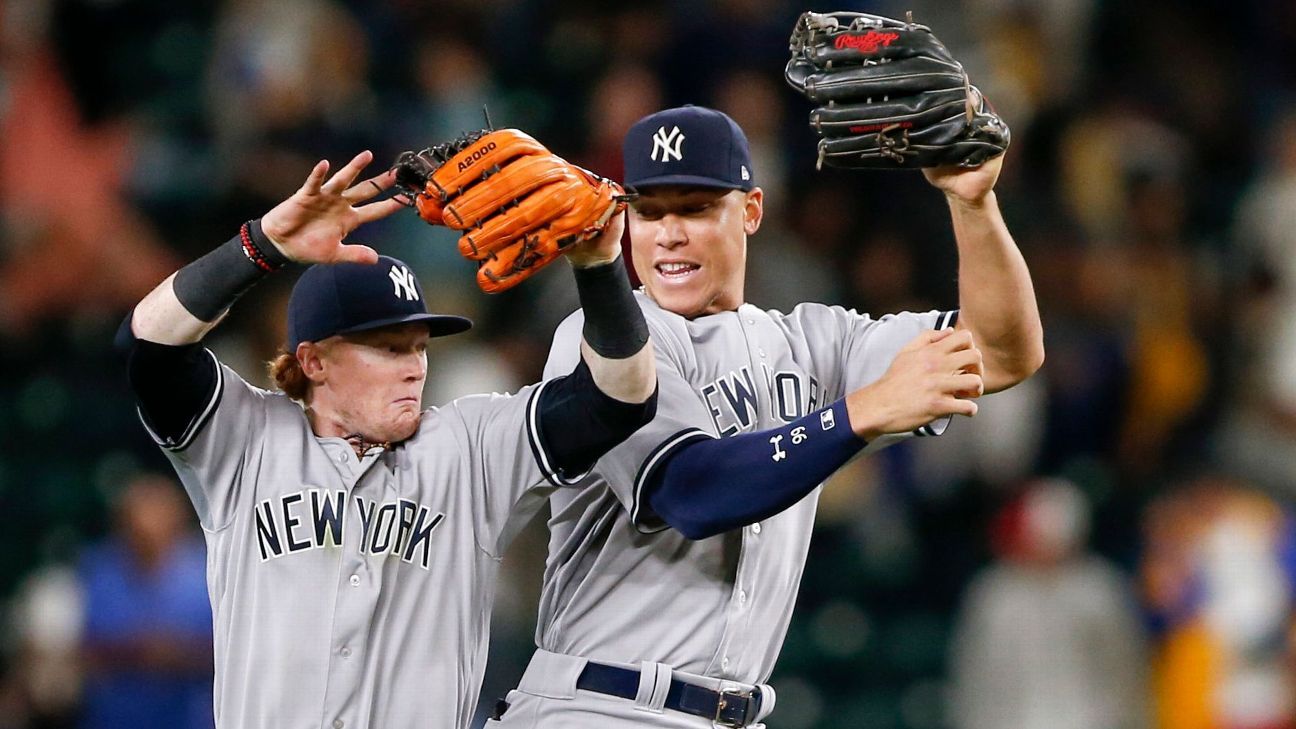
[1219,574]
[1048,637]
[43,690]
[147,640]
[1169,304]
[1262,432]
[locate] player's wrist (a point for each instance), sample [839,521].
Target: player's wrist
[615,327]
[866,414]
[979,203]
[261,248]
[584,260]
[211,284]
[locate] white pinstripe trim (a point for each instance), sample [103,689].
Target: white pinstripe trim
[191,432]
[543,459]
[651,464]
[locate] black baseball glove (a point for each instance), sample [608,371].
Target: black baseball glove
[891,95]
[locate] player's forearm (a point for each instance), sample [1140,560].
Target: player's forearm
[996,296]
[161,318]
[190,302]
[711,486]
[614,340]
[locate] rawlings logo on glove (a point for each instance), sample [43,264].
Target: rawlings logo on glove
[519,206]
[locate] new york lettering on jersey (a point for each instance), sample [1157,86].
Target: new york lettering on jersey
[313,519]
[734,407]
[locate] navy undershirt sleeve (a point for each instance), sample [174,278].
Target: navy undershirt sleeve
[588,423]
[172,384]
[710,486]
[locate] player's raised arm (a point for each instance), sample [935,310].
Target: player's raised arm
[996,296]
[861,86]
[174,379]
[308,227]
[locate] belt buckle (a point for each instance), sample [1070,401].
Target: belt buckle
[722,703]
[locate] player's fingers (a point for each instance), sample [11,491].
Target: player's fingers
[378,210]
[356,253]
[316,177]
[965,360]
[955,340]
[926,338]
[370,188]
[958,406]
[965,385]
[344,177]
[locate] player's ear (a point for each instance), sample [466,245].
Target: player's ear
[311,357]
[753,210]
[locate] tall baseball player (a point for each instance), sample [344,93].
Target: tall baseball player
[354,537]
[671,577]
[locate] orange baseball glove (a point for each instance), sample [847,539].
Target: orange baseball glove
[519,205]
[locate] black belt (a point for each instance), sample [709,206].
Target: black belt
[723,708]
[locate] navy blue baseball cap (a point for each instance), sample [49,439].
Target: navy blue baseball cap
[687,145]
[354,297]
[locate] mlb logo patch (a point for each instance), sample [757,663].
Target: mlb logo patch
[826,420]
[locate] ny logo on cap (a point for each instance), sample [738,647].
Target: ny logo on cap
[669,144]
[403,280]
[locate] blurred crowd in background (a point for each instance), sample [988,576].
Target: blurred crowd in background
[1109,546]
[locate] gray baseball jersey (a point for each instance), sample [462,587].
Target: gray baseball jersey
[355,592]
[622,588]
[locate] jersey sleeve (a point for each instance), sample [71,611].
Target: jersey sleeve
[504,467]
[211,455]
[681,418]
[850,350]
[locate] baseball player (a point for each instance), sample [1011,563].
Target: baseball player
[671,577]
[353,537]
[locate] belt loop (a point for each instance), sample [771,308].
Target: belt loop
[767,701]
[654,684]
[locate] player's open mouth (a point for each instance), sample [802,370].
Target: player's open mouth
[676,270]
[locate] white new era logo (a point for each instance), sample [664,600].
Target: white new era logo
[403,280]
[667,144]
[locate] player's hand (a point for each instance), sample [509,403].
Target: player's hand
[309,227]
[969,185]
[601,249]
[936,374]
